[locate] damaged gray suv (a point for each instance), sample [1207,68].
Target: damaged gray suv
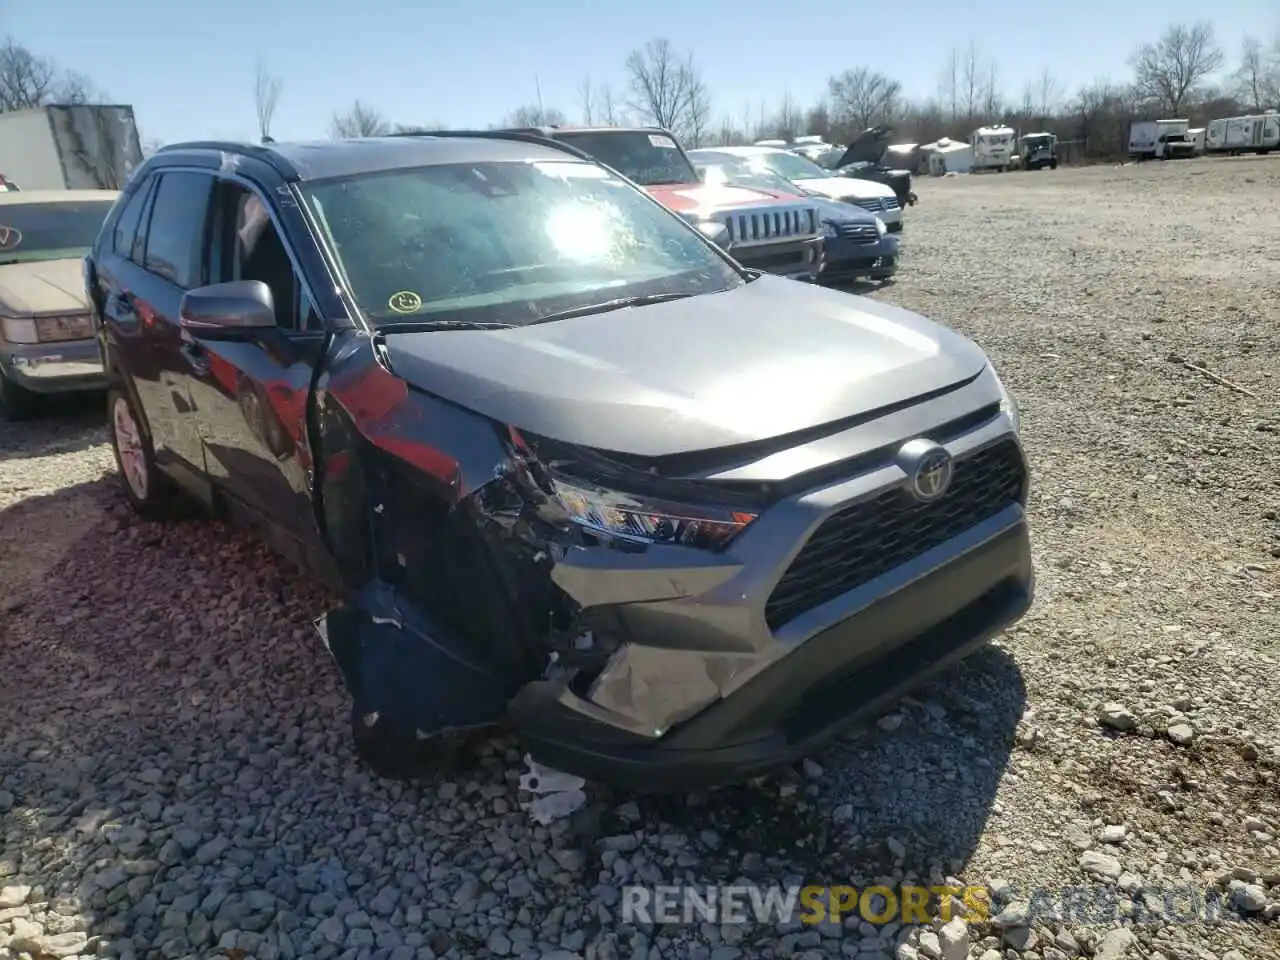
[576,471]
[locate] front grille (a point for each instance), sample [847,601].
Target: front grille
[879,204]
[872,537]
[769,224]
[858,232]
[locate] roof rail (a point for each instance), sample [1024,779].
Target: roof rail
[534,135]
[254,150]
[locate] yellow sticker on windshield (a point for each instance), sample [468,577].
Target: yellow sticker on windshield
[406,301]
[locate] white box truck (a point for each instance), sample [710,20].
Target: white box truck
[69,147]
[1160,140]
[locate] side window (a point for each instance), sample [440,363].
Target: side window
[250,248]
[129,220]
[175,235]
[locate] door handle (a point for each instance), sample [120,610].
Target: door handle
[194,354]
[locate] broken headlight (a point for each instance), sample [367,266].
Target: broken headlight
[615,514]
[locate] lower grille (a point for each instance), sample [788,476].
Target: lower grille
[872,537]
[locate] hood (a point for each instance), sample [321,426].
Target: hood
[839,212]
[701,197]
[766,359]
[840,188]
[868,146]
[43,286]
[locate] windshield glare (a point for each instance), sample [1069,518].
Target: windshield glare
[790,165]
[50,231]
[649,159]
[505,242]
[741,175]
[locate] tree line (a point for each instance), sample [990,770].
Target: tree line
[1183,73]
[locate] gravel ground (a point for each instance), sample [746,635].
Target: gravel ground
[176,778]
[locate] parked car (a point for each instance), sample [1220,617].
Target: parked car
[571,465]
[873,197]
[47,341]
[777,233]
[856,244]
[864,158]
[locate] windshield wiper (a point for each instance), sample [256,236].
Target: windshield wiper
[607,305]
[418,326]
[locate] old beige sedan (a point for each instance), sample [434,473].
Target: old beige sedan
[47,338]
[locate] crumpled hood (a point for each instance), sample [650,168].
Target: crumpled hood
[704,198]
[42,286]
[769,358]
[868,146]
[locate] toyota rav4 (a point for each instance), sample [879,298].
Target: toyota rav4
[572,466]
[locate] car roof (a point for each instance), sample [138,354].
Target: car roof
[324,159]
[56,196]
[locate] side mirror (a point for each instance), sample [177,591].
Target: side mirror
[228,310]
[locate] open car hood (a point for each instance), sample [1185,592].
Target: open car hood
[868,146]
[767,359]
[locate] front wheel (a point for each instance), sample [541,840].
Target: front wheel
[16,403]
[147,490]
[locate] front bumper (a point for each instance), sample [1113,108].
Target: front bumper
[54,367]
[795,259]
[705,692]
[846,261]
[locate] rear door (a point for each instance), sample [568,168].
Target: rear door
[156,255]
[251,396]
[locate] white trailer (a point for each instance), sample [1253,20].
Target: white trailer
[993,148]
[1160,139]
[1259,133]
[69,147]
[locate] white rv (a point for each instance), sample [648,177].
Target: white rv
[993,148]
[1235,135]
[1160,140]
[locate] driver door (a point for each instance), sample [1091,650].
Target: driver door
[251,392]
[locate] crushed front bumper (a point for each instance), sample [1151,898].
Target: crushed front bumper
[705,691]
[54,367]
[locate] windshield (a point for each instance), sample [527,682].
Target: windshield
[789,165]
[741,175]
[649,159]
[50,231]
[506,243]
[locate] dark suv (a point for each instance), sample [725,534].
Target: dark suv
[570,464]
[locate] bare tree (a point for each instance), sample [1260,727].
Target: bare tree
[26,80]
[668,90]
[360,120]
[786,122]
[266,96]
[75,87]
[609,112]
[586,101]
[979,82]
[534,115]
[1257,80]
[1169,71]
[949,84]
[862,98]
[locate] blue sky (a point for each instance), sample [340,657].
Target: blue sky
[188,70]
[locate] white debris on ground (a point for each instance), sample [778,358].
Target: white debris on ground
[559,794]
[177,778]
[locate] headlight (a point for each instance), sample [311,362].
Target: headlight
[1008,406]
[621,515]
[18,331]
[829,229]
[880,227]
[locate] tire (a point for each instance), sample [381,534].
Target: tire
[17,403]
[148,491]
[392,756]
